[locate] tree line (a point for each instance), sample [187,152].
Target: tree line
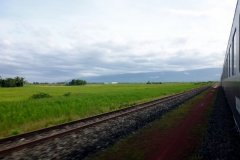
[76,82]
[12,82]
[73,82]
[153,82]
[19,82]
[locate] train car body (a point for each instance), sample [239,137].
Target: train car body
[230,79]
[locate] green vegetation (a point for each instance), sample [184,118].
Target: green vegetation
[12,82]
[20,112]
[77,82]
[148,82]
[67,94]
[40,95]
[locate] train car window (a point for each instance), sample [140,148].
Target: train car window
[230,61]
[234,51]
[223,74]
[228,66]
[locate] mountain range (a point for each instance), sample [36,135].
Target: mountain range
[198,75]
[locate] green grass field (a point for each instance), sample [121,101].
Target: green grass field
[20,113]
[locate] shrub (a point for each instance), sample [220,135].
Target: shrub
[15,132]
[67,94]
[40,95]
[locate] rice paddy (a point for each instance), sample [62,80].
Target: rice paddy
[37,106]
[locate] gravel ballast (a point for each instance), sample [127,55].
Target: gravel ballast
[222,141]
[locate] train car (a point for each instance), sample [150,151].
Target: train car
[230,79]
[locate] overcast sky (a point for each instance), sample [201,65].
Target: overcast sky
[56,40]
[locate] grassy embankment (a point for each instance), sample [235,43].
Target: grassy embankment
[132,148]
[20,113]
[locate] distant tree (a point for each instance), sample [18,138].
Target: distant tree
[75,82]
[148,82]
[19,81]
[12,82]
[153,82]
[1,81]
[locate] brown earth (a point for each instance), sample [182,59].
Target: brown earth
[177,142]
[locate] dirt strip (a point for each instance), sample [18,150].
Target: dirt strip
[177,142]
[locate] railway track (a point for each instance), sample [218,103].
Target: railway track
[19,142]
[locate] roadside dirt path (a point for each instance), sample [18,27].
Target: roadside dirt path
[176,143]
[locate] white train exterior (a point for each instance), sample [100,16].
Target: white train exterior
[230,79]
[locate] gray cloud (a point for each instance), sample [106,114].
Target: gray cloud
[99,59]
[130,37]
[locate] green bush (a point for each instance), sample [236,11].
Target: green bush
[15,132]
[40,95]
[67,94]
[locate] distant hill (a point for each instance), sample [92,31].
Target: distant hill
[209,74]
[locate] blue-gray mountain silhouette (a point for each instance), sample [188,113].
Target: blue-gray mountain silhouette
[209,74]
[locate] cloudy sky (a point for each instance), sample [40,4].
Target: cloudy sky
[56,40]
